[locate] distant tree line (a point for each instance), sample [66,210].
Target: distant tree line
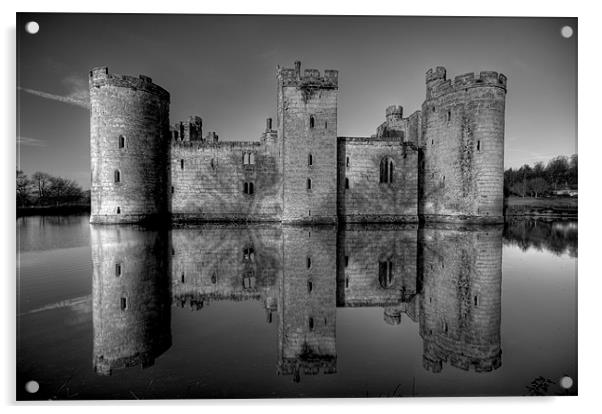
[558,174]
[42,189]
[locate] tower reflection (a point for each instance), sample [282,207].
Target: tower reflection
[446,279]
[131,296]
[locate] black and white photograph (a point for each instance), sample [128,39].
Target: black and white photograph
[223,206]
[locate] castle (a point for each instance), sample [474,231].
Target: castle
[443,163]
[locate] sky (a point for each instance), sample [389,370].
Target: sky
[223,69]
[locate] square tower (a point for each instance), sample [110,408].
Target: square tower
[307,127]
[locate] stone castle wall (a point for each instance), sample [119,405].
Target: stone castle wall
[462,172]
[131,296]
[208,182]
[361,195]
[129,146]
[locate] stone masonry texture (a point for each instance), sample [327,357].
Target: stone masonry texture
[446,160]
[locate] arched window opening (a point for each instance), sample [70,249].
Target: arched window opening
[118,270]
[312,121]
[245,188]
[448,116]
[309,183]
[251,188]
[478,145]
[172,189]
[118,210]
[183,279]
[308,262]
[385,274]
[311,324]
[310,160]
[214,278]
[476,301]
[121,141]
[123,304]
[386,170]
[212,164]
[325,124]
[346,261]
[117,176]
[310,286]
[252,158]
[346,282]
[346,183]
[347,162]
[181,164]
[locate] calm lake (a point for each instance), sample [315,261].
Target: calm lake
[270,311]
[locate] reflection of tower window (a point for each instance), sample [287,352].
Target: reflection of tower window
[118,270]
[248,281]
[123,304]
[249,254]
[385,274]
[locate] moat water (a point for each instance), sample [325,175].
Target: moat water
[267,311]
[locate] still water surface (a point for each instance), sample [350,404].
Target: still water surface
[270,311]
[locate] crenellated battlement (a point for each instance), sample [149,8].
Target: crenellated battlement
[394,112]
[438,84]
[214,143]
[100,76]
[309,78]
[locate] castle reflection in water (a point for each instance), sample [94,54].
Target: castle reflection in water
[446,279]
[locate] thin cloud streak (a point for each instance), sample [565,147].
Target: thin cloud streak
[64,99]
[31,142]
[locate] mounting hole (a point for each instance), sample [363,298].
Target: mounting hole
[566,382]
[32,27]
[566,32]
[32,387]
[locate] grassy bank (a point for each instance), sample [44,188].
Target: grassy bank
[61,210]
[542,206]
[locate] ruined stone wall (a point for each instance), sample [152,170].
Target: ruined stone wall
[129,148]
[367,199]
[463,147]
[307,108]
[208,179]
[361,250]
[217,262]
[460,293]
[131,296]
[307,301]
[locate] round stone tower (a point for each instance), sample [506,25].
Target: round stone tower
[462,169]
[129,145]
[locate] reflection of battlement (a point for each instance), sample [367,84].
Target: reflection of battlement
[131,297]
[461,297]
